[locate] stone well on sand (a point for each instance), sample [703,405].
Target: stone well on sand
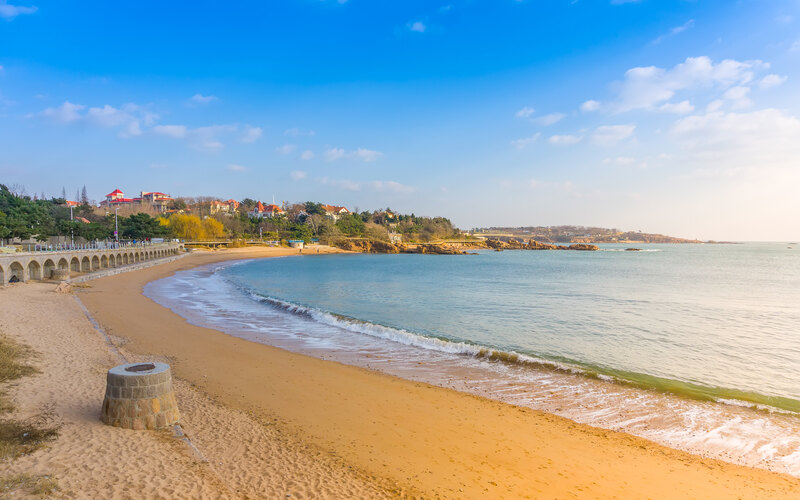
[140,396]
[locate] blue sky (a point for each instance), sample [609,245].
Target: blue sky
[666,116]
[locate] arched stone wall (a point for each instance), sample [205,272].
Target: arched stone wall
[112,260]
[2,276]
[63,264]
[75,265]
[16,269]
[103,261]
[48,268]
[95,263]
[86,265]
[34,270]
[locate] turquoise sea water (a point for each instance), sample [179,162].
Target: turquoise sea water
[696,346]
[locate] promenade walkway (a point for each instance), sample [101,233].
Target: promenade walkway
[45,264]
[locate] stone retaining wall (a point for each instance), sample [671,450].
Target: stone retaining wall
[125,268]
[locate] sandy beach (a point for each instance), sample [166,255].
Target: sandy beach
[271,423]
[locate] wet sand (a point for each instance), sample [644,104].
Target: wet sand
[411,437]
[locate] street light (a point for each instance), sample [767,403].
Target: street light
[116,226]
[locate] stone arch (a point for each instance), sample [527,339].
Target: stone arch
[86,265]
[16,270]
[63,264]
[104,261]
[125,258]
[48,268]
[95,263]
[112,260]
[135,257]
[2,277]
[75,265]
[119,259]
[34,270]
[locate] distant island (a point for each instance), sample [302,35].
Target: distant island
[576,234]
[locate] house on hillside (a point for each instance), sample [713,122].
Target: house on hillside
[117,198]
[269,211]
[227,207]
[334,212]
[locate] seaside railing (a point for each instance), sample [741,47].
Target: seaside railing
[93,245]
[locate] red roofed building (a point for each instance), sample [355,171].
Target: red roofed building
[334,212]
[269,211]
[117,198]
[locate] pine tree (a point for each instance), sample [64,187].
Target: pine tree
[84,196]
[63,192]
[77,195]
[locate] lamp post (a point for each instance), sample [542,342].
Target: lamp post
[71,230]
[116,226]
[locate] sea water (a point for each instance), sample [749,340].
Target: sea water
[693,346]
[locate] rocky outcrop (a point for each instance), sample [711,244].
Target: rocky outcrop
[535,245]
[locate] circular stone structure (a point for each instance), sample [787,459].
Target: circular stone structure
[139,396]
[59,274]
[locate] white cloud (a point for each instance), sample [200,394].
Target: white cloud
[522,143]
[738,96]
[66,113]
[377,186]
[625,161]
[251,134]
[366,155]
[417,26]
[647,87]
[525,112]
[609,135]
[770,81]
[679,108]
[590,105]
[203,99]
[550,119]
[173,131]
[334,154]
[390,186]
[564,140]
[674,31]
[756,139]
[285,149]
[296,132]
[298,175]
[236,168]
[9,11]
[307,155]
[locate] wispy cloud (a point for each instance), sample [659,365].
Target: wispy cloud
[297,132]
[251,134]
[770,81]
[128,119]
[525,112]
[674,31]
[203,99]
[590,105]
[609,135]
[375,186]
[522,143]
[648,87]
[366,155]
[550,119]
[307,155]
[236,168]
[8,11]
[564,140]
[417,26]
[285,149]
[298,175]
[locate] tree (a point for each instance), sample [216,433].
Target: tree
[351,225]
[63,192]
[141,226]
[314,208]
[84,196]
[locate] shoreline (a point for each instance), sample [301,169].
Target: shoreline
[425,438]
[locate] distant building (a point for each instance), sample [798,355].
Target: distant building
[261,211]
[226,207]
[71,203]
[395,237]
[334,212]
[117,198]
